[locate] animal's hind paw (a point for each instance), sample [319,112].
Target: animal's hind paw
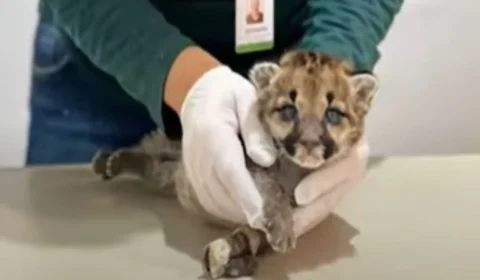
[106,164]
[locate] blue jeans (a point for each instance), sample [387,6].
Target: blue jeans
[76,108]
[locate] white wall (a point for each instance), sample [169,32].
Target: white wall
[17,21]
[430,75]
[429,80]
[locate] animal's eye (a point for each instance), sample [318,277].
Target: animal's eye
[288,112]
[334,116]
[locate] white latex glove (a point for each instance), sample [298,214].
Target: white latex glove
[220,106]
[320,193]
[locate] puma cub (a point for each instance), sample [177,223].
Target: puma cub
[314,110]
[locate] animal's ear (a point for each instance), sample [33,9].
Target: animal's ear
[365,87]
[262,73]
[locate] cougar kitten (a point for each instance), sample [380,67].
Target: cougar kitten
[314,110]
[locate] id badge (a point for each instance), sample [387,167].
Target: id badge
[254,23]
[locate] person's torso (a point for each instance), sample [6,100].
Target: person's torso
[211,24]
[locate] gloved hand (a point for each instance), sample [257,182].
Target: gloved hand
[218,107]
[320,193]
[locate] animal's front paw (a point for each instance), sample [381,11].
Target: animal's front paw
[279,231]
[106,164]
[220,260]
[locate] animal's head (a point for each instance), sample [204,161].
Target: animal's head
[312,106]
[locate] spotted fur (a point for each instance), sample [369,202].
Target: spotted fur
[312,107]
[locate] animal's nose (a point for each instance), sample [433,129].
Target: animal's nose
[310,144]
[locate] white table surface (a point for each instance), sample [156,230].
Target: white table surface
[412,218]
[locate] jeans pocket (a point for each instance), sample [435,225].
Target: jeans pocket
[51,51]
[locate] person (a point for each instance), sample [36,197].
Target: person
[105,73]
[255,15]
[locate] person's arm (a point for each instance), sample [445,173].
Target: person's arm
[349,29]
[133,42]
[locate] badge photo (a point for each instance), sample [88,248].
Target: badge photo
[254,20]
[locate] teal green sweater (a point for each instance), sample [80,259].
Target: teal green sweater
[136,41]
